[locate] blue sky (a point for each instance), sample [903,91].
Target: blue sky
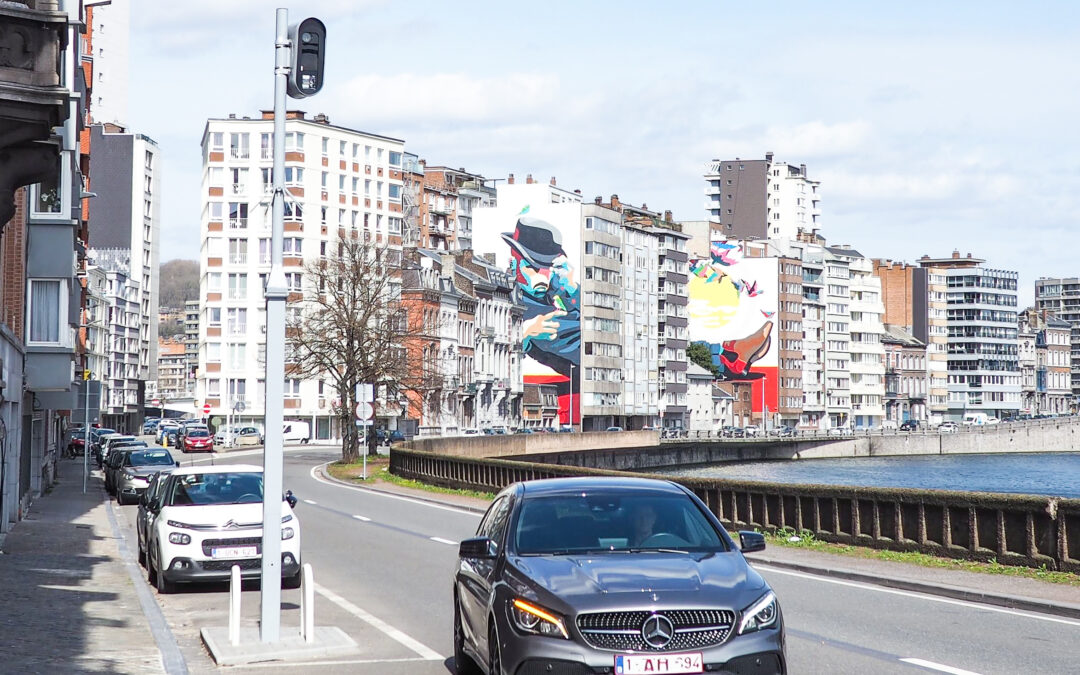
[932,126]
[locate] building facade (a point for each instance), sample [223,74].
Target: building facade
[761,199]
[1061,297]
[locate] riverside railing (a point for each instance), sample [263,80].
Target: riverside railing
[1024,530]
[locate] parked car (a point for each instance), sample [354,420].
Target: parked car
[783,431]
[197,439]
[143,519]
[150,424]
[387,437]
[560,570]
[948,427]
[207,519]
[186,429]
[161,434]
[614,429]
[296,432]
[751,430]
[115,461]
[909,425]
[470,432]
[134,470]
[110,441]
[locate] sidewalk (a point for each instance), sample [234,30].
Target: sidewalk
[995,589]
[68,602]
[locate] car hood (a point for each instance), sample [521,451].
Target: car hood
[219,515]
[149,470]
[585,580]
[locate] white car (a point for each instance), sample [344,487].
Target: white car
[207,519]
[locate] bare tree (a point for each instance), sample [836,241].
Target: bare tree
[352,327]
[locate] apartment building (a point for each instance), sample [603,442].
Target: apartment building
[172,371]
[124,380]
[761,199]
[602,317]
[447,199]
[983,366]
[640,328]
[340,182]
[191,345]
[915,300]
[907,377]
[867,350]
[1061,297]
[1044,358]
[125,215]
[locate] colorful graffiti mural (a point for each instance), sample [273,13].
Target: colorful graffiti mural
[540,246]
[733,302]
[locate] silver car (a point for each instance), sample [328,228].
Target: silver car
[138,466]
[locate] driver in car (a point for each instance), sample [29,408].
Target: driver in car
[643,519]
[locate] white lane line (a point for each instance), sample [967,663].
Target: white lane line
[417,647]
[363,518]
[419,502]
[920,596]
[443,541]
[938,667]
[313,664]
[311,501]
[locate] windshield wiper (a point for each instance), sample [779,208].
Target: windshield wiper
[657,550]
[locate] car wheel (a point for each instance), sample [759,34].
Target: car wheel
[164,586]
[292,582]
[120,499]
[142,553]
[494,653]
[463,664]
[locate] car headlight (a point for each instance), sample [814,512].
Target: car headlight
[286,518]
[761,614]
[287,533]
[179,538]
[128,473]
[531,618]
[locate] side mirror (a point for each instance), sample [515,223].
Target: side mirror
[177,463]
[142,500]
[153,506]
[751,541]
[291,498]
[477,547]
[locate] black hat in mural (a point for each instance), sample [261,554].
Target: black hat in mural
[536,240]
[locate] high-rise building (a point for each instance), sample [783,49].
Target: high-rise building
[761,199]
[983,365]
[1061,297]
[340,182]
[110,38]
[126,215]
[1045,345]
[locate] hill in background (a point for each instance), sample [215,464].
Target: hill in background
[178,282]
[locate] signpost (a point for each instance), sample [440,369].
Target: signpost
[365,413]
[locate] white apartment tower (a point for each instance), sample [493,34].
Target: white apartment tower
[340,182]
[761,199]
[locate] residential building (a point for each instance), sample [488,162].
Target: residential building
[672,322]
[1061,297]
[124,382]
[340,182]
[640,324]
[1044,357]
[907,376]
[700,401]
[191,345]
[540,407]
[983,366]
[761,199]
[110,31]
[915,300]
[446,205]
[125,215]
[172,371]
[867,351]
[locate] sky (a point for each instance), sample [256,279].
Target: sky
[932,126]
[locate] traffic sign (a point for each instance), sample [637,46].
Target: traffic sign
[364,410]
[156,402]
[206,409]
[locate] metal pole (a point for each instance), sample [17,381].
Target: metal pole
[276,294]
[571,397]
[86,434]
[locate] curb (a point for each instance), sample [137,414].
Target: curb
[1067,610]
[420,498]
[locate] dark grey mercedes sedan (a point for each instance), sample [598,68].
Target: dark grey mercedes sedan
[575,576]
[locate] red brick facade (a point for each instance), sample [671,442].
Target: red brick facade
[13,266]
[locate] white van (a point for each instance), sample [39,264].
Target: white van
[975,419]
[296,432]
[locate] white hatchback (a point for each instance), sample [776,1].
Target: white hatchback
[207,519]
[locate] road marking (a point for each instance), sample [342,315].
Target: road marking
[417,647]
[312,664]
[443,541]
[937,666]
[311,501]
[363,518]
[920,596]
[357,488]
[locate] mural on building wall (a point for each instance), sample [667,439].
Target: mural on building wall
[540,246]
[733,302]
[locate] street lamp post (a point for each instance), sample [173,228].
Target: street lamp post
[571,416]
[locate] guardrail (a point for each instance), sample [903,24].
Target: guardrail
[1022,530]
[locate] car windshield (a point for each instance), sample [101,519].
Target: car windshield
[615,522]
[150,458]
[198,433]
[216,488]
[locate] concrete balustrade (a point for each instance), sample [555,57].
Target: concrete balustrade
[1022,530]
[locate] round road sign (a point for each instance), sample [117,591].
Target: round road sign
[206,408]
[156,403]
[364,411]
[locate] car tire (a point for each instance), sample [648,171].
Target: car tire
[164,586]
[463,663]
[494,652]
[293,582]
[142,554]
[120,499]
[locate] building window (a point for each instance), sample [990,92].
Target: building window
[52,198]
[292,388]
[48,303]
[395,159]
[237,318]
[213,316]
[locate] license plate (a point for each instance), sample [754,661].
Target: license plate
[237,552]
[659,664]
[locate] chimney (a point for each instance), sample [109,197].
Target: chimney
[598,200]
[553,181]
[294,114]
[423,162]
[802,170]
[510,180]
[768,157]
[577,192]
[615,202]
[488,258]
[232,116]
[321,118]
[528,179]
[667,217]
[267,114]
[955,254]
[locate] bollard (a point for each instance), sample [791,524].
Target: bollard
[234,605]
[307,604]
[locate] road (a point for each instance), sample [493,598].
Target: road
[383,567]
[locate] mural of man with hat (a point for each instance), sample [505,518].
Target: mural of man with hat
[545,286]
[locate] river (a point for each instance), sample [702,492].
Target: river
[1055,474]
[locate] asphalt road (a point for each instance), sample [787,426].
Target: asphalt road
[383,567]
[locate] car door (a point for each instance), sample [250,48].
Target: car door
[477,576]
[143,519]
